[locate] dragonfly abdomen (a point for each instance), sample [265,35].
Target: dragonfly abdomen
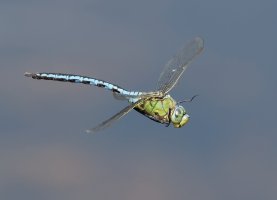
[84,80]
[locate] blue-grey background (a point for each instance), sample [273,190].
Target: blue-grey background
[228,149]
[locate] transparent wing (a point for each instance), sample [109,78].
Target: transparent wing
[178,64]
[114,118]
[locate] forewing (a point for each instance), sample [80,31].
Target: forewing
[178,64]
[114,118]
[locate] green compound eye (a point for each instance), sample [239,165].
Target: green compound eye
[179,112]
[179,117]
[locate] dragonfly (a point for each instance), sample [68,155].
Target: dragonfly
[157,105]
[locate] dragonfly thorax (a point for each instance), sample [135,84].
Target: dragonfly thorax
[179,117]
[164,110]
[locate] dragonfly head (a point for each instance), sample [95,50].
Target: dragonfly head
[179,117]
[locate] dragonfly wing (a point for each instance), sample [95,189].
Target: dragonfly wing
[178,64]
[114,118]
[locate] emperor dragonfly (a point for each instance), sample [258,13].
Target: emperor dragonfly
[157,105]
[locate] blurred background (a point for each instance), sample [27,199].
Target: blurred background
[227,150]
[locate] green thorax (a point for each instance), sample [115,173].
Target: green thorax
[157,109]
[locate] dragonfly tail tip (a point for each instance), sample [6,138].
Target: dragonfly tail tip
[88,131]
[28,74]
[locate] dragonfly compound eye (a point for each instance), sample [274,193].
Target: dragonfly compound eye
[179,117]
[178,112]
